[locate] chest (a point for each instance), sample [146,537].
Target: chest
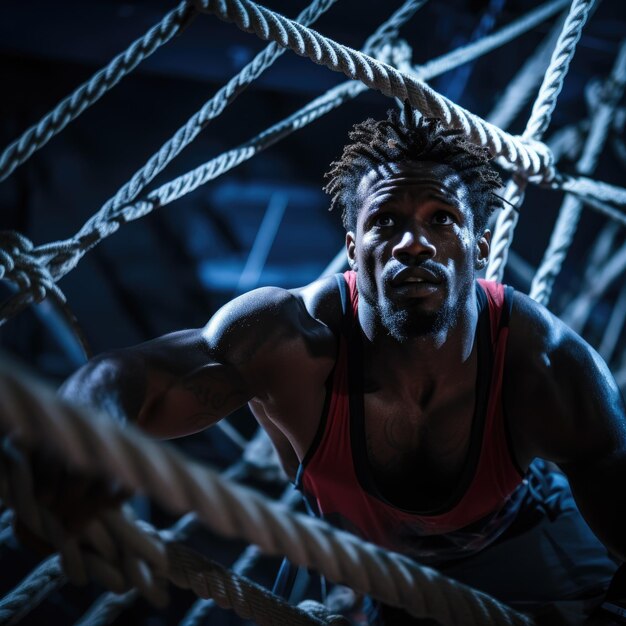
[416,453]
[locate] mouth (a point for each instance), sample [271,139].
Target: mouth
[414,277]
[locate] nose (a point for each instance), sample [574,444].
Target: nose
[414,246]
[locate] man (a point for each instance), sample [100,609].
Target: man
[405,398]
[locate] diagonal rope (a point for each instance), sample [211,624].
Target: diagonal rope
[571,209]
[91,91]
[197,122]
[60,257]
[537,124]
[532,157]
[33,416]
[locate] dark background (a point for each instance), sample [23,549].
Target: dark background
[175,267]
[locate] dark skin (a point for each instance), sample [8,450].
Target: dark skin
[416,254]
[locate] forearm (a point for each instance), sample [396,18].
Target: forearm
[113,383]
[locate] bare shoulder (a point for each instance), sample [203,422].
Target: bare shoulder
[563,402]
[271,330]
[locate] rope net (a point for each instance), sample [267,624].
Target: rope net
[383,65]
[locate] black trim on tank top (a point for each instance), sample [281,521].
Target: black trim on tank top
[504,323]
[483,386]
[321,428]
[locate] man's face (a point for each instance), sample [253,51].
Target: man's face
[414,248]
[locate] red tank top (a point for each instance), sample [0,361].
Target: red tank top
[335,478]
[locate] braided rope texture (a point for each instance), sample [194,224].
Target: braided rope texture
[33,416]
[62,256]
[43,580]
[559,65]
[533,158]
[537,124]
[197,122]
[571,209]
[92,90]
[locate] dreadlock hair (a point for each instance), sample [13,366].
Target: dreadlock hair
[401,138]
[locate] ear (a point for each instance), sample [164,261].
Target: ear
[351,250]
[483,245]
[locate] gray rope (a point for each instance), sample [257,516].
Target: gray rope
[571,209]
[559,65]
[531,157]
[588,189]
[91,91]
[35,417]
[537,124]
[196,123]
[201,608]
[43,580]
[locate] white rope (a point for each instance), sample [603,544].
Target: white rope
[531,157]
[537,124]
[571,209]
[60,257]
[33,416]
[91,91]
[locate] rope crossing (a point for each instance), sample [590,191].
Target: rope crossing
[35,418]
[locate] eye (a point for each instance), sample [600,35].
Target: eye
[383,220]
[443,218]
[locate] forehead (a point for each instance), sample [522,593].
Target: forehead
[389,179]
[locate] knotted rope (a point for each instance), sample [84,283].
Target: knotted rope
[571,209]
[531,157]
[33,416]
[537,124]
[61,257]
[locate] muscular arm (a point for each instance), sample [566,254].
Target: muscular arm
[567,409]
[185,381]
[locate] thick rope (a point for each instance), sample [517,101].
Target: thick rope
[34,589]
[196,123]
[537,124]
[91,91]
[62,256]
[33,416]
[586,188]
[201,608]
[208,579]
[533,157]
[571,209]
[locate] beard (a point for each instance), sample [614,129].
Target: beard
[403,321]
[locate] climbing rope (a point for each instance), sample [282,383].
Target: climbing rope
[530,157]
[91,91]
[571,209]
[33,417]
[537,124]
[60,257]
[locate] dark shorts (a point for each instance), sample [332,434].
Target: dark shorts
[548,563]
